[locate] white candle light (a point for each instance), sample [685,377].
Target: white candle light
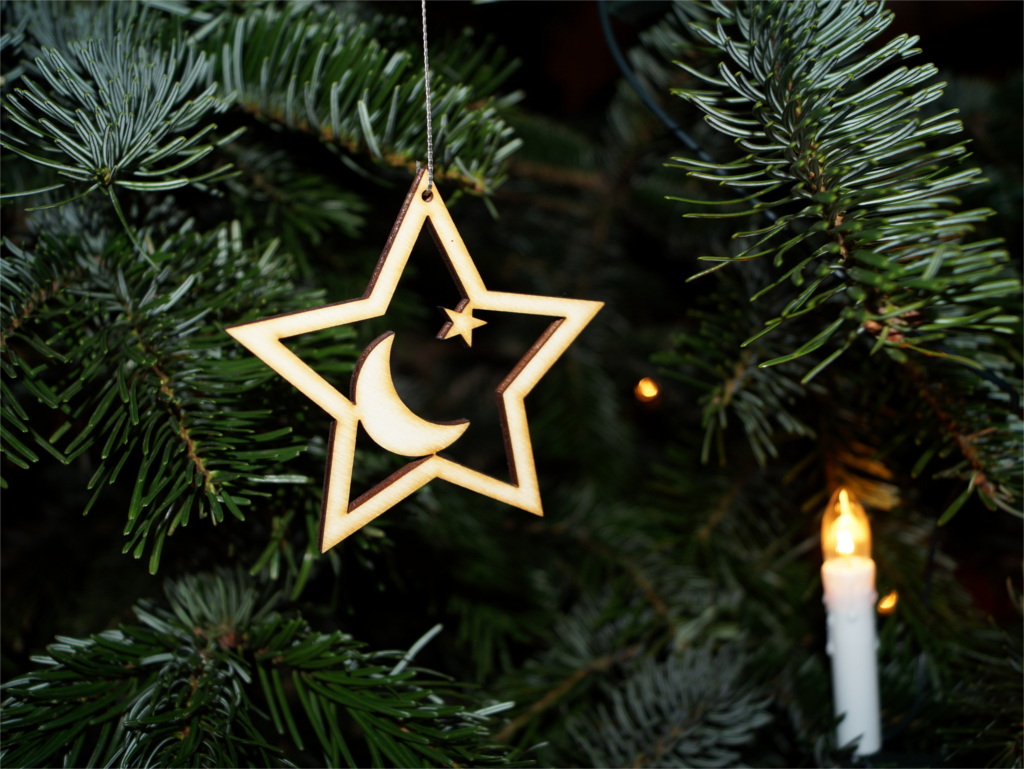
[848,576]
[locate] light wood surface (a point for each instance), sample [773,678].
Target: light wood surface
[378,407]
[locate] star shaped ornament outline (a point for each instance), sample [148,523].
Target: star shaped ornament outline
[340,515]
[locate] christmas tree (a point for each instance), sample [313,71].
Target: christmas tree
[810,273]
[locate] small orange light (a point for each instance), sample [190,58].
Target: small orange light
[646,390]
[887,605]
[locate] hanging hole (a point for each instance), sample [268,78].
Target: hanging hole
[428,195]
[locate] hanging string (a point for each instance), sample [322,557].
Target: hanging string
[426,87]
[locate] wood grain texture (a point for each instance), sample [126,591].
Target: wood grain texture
[376,405]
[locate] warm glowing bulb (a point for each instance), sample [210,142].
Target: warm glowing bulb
[844,543]
[845,525]
[646,390]
[844,529]
[887,605]
[844,503]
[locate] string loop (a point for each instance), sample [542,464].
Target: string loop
[426,86]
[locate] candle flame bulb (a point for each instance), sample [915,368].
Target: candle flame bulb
[844,528]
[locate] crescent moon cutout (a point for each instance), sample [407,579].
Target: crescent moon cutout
[392,424]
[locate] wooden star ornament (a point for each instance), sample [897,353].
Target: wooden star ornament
[375,404]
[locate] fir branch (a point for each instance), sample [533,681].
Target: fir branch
[555,154]
[27,286]
[116,113]
[690,710]
[11,40]
[677,601]
[203,681]
[866,198]
[561,690]
[589,647]
[30,295]
[274,196]
[767,402]
[331,77]
[986,677]
[986,435]
[868,250]
[148,380]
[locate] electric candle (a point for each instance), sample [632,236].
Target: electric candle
[848,576]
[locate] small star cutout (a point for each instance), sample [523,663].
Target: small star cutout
[376,405]
[460,323]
